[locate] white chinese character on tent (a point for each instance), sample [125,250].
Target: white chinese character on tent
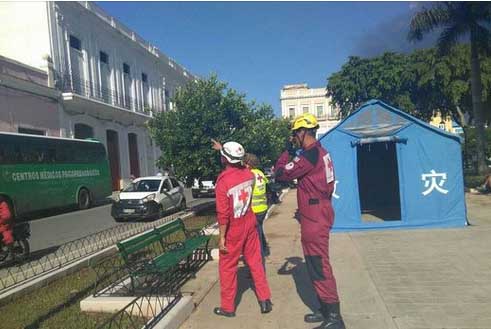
[334,195]
[432,184]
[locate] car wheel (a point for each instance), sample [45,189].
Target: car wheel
[161,212]
[183,204]
[83,200]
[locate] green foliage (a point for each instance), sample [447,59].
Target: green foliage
[457,20]
[208,109]
[470,148]
[386,77]
[418,83]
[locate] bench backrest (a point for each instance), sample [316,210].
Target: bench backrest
[169,229]
[144,242]
[136,244]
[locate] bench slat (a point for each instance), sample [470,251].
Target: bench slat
[134,245]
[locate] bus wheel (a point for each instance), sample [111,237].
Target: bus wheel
[83,199]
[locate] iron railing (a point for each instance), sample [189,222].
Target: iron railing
[154,294]
[89,89]
[144,311]
[57,257]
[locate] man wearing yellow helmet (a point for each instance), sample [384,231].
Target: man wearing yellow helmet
[315,173]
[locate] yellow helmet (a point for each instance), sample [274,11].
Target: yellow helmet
[307,121]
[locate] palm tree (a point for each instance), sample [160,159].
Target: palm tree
[458,20]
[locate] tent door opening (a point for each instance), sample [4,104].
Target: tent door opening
[378,182]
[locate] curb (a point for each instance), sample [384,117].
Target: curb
[177,315]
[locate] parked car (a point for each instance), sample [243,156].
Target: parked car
[203,187]
[149,197]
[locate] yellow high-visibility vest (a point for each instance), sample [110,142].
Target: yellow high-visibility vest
[259,201]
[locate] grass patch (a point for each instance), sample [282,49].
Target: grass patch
[53,306]
[57,305]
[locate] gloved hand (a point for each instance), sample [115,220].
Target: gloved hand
[290,147]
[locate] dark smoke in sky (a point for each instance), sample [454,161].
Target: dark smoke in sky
[391,35]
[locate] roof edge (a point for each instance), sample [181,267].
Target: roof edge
[399,112]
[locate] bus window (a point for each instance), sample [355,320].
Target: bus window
[65,166]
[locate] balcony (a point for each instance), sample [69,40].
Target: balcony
[329,117]
[81,96]
[85,88]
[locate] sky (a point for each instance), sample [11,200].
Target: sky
[258,47]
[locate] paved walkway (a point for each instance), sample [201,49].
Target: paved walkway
[415,279]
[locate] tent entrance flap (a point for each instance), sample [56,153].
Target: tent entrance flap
[378,182]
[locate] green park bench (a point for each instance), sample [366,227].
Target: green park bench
[164,252]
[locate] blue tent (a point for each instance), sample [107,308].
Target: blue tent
[394,171]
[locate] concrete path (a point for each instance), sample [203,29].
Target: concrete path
[414,279]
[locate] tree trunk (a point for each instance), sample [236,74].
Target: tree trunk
[461,115]
[476,88]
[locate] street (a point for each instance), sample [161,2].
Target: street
[55,230]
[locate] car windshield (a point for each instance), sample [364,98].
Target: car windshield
[145,185]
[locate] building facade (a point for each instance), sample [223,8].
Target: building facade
[298,99]
[27,104]
[445,123]
[111,80]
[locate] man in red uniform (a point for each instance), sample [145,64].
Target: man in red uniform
[314,170]
[238,233]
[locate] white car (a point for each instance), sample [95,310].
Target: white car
[149,197]
[203,187]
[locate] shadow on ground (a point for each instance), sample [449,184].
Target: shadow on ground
[295,266]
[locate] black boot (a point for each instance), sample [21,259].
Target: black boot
[313,317]
[332,316]
[219,311]
[266,306]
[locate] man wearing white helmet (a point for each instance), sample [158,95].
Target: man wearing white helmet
[238,234]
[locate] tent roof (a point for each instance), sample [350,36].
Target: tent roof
[380,121]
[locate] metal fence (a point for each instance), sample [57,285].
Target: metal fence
[144,311]
[60,256]
[154,297]
[86,88]
[154,294]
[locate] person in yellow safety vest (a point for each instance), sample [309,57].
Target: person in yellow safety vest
[259,199]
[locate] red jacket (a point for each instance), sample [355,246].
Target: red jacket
[233,194]
[5,214]
[315,173]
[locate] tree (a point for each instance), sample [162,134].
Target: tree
[386,77]
[209,109]
[459,19]
[441,83]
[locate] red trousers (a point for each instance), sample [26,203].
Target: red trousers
[315,243]
[241,239]
[316,255]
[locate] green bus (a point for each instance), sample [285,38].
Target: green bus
[40,172]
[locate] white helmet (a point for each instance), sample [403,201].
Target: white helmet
[233,152]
